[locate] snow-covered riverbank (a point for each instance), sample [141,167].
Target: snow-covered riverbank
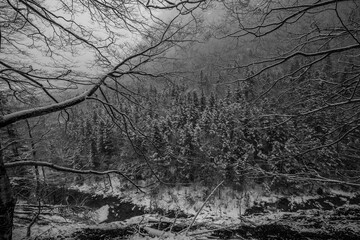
[115,213]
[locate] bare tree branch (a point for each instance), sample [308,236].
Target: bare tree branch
[70,170]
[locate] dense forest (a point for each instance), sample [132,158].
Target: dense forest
[171,94]
[177,135]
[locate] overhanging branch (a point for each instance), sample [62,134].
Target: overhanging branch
[66,169]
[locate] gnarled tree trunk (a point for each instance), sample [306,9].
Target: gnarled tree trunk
[7,203]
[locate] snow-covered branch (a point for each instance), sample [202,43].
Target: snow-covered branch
[70,170]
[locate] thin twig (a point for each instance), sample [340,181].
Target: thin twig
[207,199]
[28,230]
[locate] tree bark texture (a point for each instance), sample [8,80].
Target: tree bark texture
[7,203]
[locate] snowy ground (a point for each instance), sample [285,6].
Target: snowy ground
[226,214]
[225,204]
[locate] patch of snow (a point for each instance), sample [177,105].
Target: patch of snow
[82,188]
[342,193]
[226,203]
[48,230]
[301,199]
[56,219]
[101,214]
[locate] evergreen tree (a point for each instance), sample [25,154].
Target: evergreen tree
[228,96]
[328,66]
[108,143]
[238,94]
[195,100]
[295,65]
[212,101]
[100,138]
[95,118]
[249,88]
[202,101]
[93,155]
[157,139]
[189,98]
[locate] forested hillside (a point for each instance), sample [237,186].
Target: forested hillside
[180,135]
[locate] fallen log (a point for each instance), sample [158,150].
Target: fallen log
[158,233]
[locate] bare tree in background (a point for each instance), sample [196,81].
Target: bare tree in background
[306,62]
[51,48]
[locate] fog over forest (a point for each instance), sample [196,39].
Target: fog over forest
[179,119]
